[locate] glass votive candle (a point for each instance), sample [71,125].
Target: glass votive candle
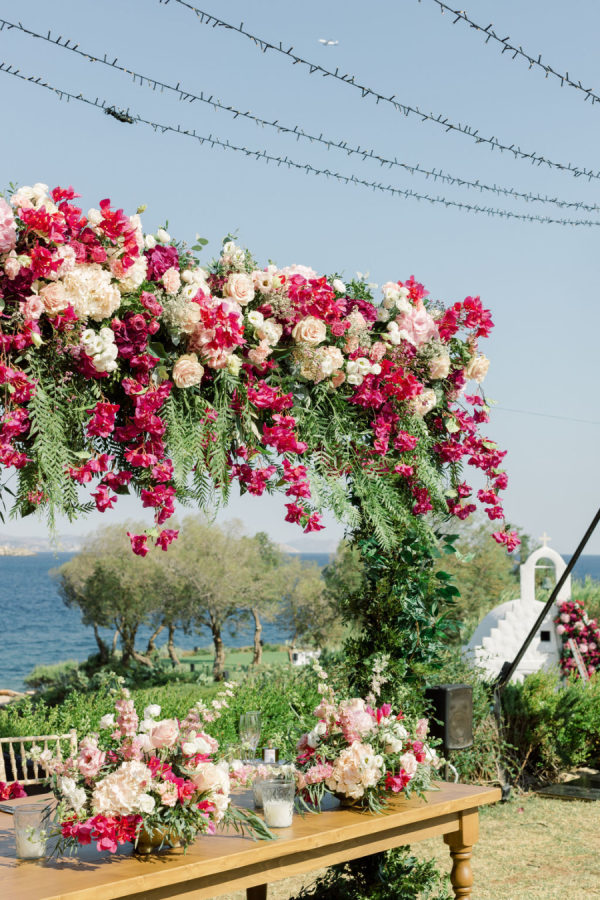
[275,772]
[278,802]
[31,830]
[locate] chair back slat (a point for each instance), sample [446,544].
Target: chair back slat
[19,767]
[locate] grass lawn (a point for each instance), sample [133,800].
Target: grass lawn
[529,849]
[235,659]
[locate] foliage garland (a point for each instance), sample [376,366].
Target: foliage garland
[127,366]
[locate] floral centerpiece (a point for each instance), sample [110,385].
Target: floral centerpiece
[127,366]
[152,782]
[573,622]
[362,754]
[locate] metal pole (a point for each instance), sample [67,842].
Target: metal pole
[508,669]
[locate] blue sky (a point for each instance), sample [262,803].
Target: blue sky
[540,281]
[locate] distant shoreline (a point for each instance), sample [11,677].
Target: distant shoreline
[6,550]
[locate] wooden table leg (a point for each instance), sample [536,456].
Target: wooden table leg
[461,846]
[257,893]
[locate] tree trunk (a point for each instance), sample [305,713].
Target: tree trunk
[290,649]
[171,645]
[257,659]
[128,634]
[102,646]
[152,639]
[115,641]
[219,663]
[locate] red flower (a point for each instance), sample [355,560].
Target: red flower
[139,543]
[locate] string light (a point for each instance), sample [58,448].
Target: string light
[208,19]
[533,61]
[128,117]
[190,97]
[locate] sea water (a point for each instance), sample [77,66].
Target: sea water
[36,628]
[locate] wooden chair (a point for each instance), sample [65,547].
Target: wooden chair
[15,763]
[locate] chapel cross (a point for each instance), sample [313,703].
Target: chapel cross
[545,539]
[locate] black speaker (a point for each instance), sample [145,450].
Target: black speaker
[452,706]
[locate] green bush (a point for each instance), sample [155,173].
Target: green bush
[551,725]
[395,874]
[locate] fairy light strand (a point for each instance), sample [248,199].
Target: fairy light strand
[188,96]
[128,117]
[442,121]
[516,52]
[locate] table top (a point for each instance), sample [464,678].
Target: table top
[91,875]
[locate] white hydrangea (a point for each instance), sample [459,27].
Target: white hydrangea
[134,276]
[90,292]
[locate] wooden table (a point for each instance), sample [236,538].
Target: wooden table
[217,864]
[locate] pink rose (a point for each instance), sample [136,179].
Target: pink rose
[418,325]
[164,733]
[8,229]
[477,368]
[409,763]
[90,759]
[12,266]
[258,355]
[310,331]
[240,287]
[33,307]
[422,728]
[187,371]
[171,280]
[54,298]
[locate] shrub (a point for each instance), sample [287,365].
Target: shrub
[552,726]
[395,874]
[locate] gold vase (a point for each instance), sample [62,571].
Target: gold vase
[150,840]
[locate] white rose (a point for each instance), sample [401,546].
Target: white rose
[150,242]
[375,369]
[383,315]
[256,318]
[477,368]
[163,236]
[146,803]
[270,331]
[310,331]
[338,286]
[239,287]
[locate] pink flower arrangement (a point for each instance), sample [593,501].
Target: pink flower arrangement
[11,791]
[362,753]
[140,776]
[133,340]
[572,622]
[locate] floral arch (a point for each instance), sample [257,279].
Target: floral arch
[127,366]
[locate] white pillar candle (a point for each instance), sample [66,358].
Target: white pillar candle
[279,813]
[31,844]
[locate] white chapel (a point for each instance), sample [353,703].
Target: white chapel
[500,635]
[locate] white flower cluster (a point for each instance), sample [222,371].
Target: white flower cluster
[161,237]
[395,296]
[232,256]
[74,796]
[33,197]
[101,347]
[357,369]
[395,334]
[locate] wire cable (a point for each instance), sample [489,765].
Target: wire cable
[533,61]
[125,116]
[208,19]
[185,95]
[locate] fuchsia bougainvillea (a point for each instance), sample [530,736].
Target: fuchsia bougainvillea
[127,366]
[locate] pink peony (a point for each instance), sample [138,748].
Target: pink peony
[418,325]
[32,308]
[8,230]
[171,280]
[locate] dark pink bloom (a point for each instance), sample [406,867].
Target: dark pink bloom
[139,543]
